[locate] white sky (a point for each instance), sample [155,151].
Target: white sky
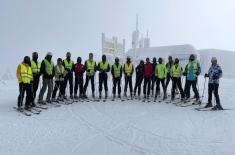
[76,25]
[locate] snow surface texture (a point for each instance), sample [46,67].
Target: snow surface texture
[118,128]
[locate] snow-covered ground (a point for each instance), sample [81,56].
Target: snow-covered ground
[118,128]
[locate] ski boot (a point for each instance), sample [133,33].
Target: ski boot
[99,95]
[71,97]
[106,94]
[208,105]
[75,97]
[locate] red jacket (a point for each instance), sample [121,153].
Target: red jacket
[148,70]
[79,69]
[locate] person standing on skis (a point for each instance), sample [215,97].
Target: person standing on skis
[153,79]
[192,70]
[160,73]
[78,71]
[103,68]
[48,72]
[169,65]
[176,73]
[68,65]
[214,74]
[59,81]
[25,77]
[128,70]
[139,70]
[116,72]
[90,67]
[148,73]
[35,66]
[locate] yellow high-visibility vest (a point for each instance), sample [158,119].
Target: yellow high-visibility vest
[49,67]
[104,66]
[59,70]
[26,74]
[35,67]
[68,65]
[160,71]
[128,69]
[90,67]
[176,71]
[117,70]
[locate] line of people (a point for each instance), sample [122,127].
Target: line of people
[157,72]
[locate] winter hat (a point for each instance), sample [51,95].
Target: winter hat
[213,59]
[49,53]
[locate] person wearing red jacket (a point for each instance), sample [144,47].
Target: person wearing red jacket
[148,72]
[78,71]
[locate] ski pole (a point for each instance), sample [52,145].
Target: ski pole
[203,89]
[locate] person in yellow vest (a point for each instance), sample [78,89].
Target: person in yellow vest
[69,68]
[176,73]
[192,70]
[90,67]
[25,77]
[48,72]
[116,72]
[128,70]
[160,74]
[35,66]
[59,81]
[103,68]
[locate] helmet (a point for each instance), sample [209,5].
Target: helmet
[214,60]
[192,57]
[59,60]
[176,60]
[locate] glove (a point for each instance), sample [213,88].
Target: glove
[61,76]
[184,74]
[197,73]
[215,77]
[206,75]
[88,70]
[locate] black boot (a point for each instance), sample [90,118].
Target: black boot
[208,105]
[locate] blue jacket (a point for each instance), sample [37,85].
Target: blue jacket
[215,73]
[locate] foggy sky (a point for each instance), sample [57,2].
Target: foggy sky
[76,25]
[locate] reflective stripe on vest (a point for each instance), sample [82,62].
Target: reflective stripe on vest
[25,73]
[68,65]
[176,71]
[91,67]
[59,70]
[49,67]
[117,70]
[128,69]
[195,68]
[160,71]
[104,66]
[35,67]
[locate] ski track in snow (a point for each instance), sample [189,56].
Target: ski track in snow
[119,128]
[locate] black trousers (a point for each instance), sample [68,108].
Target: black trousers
[68,77]
[36,79]
[78,81]
[58,86]
[176,82]
[190,83]
[89,78]
[138,82]
[168,79]
[23,87]
[213,87]
[103,79]
[117,84]
[147,85]
[158,81]
[128,81]
[153,80]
